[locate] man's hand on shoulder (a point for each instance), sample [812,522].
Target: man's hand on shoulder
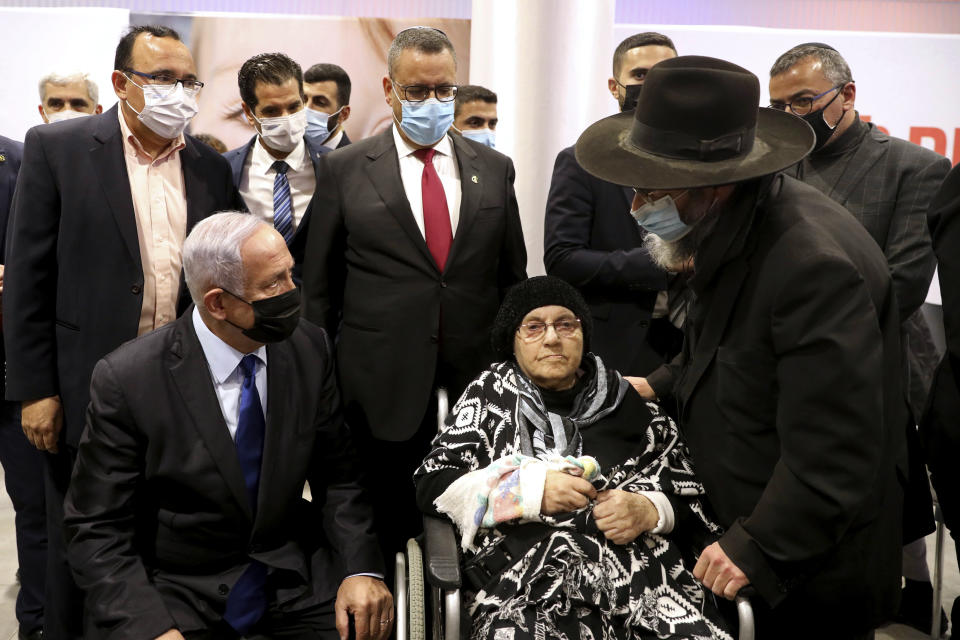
[641,386]
[368,600]
[41,421]
[718,573]
[173,634]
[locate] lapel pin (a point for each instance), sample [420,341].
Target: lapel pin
[3,158]
[475,179]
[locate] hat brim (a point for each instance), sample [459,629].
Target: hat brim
[605,151]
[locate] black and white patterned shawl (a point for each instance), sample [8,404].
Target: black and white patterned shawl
[575,576]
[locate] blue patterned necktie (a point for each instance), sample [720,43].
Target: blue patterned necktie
[248,599]
[282,202]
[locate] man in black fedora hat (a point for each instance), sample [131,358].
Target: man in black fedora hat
[788,387]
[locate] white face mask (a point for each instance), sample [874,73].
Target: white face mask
[66,114]
[167,109]
[285,132]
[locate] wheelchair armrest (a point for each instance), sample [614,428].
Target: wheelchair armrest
[440,553]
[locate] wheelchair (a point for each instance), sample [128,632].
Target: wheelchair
[430,569]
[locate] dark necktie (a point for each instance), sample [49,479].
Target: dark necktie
[282,202]
[436,215]
[248,599]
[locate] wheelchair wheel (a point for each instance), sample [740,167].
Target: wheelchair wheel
[416,592]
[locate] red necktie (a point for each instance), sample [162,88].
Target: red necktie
[436,215]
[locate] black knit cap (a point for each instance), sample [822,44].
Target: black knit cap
[530,294]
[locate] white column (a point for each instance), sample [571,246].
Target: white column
[547,61]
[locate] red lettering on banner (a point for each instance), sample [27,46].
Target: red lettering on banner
[917,134]
[956,146]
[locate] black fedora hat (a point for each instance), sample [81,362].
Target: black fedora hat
[697,124]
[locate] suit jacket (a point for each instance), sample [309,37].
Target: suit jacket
[12,153]
[591,241]
[367,263]
[791,402]
[941,427]
[74,287]
[887,184]
[158,521]
[238,158]
[344,141]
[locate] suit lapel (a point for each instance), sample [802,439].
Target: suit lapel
[864,158]
[384,172]
[191,374]
[198,205]
[471,191]
[109,164]
[721,304]
[279,446]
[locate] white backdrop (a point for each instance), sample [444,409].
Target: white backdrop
[38,41]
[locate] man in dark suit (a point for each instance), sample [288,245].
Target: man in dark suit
[22,463]
[789,387]
[940,428]
[328,102]
[102,206]
[275,173]
[591,241]
[171,539]
[887,184]
[416,239]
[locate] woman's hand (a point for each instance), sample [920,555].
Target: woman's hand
[563,493]
[641,386]
[622,516]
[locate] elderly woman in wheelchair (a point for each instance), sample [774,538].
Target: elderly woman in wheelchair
[570,492]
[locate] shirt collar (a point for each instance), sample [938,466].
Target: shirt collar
[132,146]
[221,357]
[334,140]
[295,159]
[444,147]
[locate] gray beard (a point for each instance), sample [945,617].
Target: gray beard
[677,256]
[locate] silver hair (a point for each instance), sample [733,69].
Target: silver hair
[835,68]
[423,39]
[211,253]
[60,80]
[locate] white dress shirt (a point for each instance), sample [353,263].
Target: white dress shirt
[411,173]
[334,140]
[223,361]
[256,182]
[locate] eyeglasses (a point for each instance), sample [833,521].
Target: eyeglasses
[803,106]
[420,92]
[533,331]
[165,79]
[652,196]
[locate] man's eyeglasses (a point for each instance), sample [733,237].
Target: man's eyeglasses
[532,331]
[803,106]
[420,92]
[650,197]
[165,79]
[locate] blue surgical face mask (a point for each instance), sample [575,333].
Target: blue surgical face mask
[425,122]
[661,218]
[319,125]
[483,136]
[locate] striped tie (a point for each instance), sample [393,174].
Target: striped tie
[282,202]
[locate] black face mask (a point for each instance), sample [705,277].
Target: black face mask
[821,129]
[274,319]
[631,96]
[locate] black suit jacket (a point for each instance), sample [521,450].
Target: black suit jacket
[941,426]
[74,287]
[791,402]
[158,521]
[12,153]
[368,263]
[344,141]
[238,158]
[591,241]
